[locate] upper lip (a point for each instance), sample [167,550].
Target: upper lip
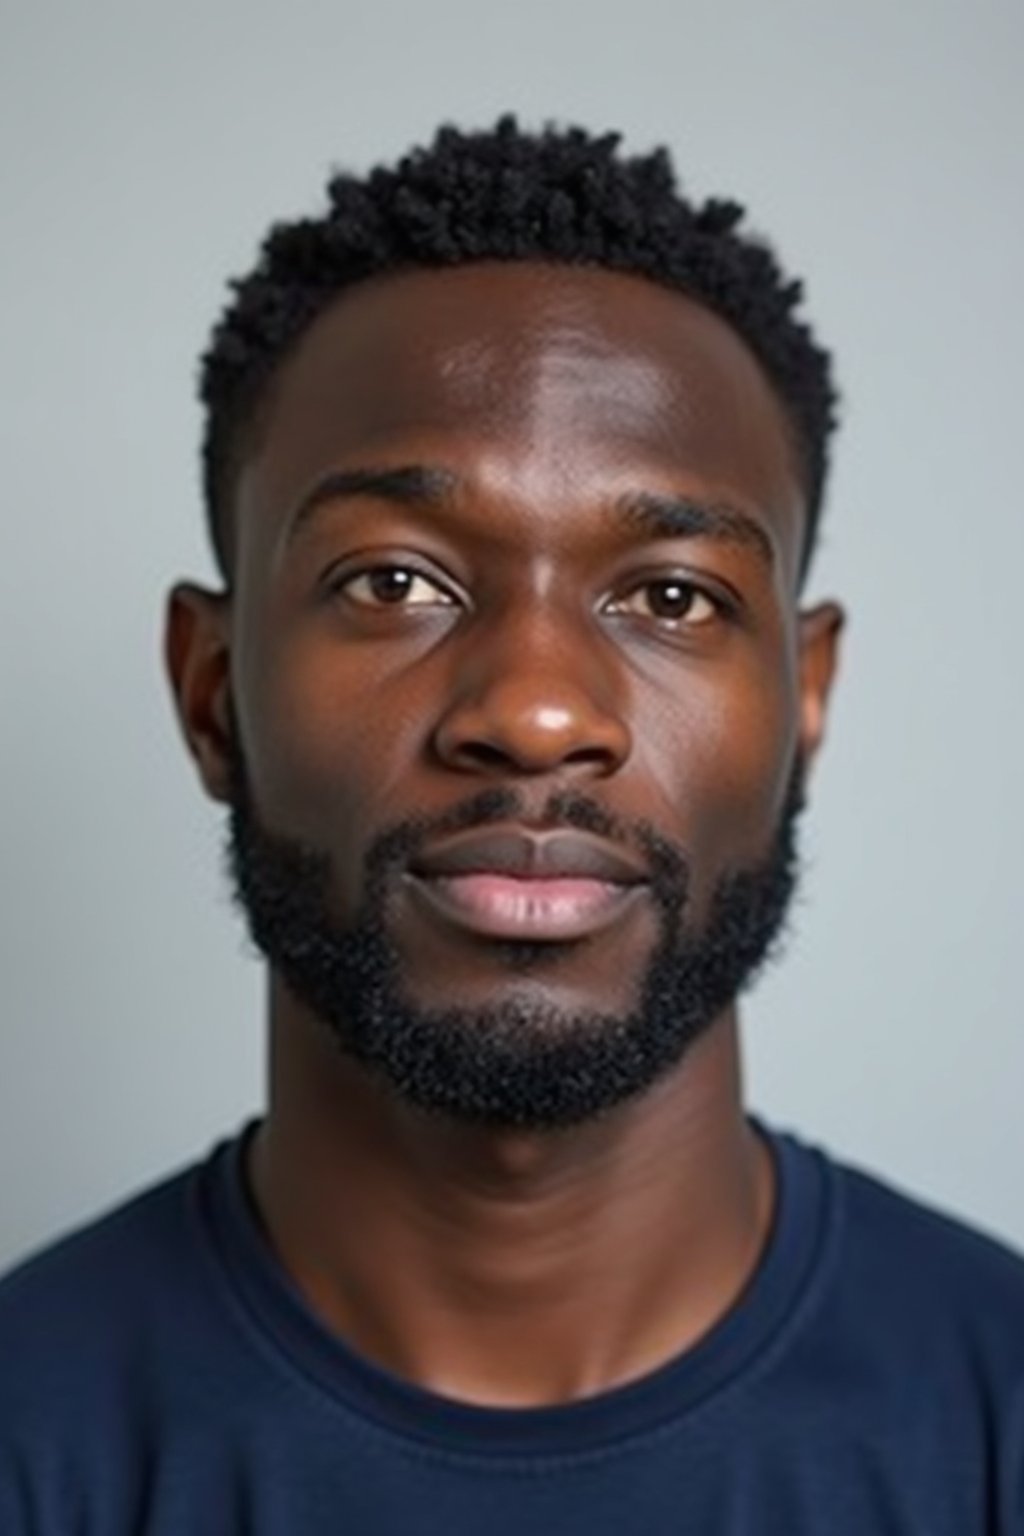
[550,855]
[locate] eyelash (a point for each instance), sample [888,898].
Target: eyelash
[692,590]
[342,586]
[718,606]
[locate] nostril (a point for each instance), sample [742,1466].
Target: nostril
[530,723]
[483,755]
[592,754]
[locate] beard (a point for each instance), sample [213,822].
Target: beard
[522,1062]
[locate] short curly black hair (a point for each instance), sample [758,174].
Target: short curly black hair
[561,195]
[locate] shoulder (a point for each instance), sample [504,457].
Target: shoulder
[109,1244]
[890,1222]
[69,1312]
[931,1284]
[109,1338]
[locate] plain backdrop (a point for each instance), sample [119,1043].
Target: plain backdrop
[144,150]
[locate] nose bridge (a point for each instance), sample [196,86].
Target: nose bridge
[534,690]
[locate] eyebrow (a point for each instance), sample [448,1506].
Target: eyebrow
[653,514]
[685,517]
[411,485]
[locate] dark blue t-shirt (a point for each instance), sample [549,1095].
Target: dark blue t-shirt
[160,1376]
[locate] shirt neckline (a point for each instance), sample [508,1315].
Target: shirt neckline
[729,1351]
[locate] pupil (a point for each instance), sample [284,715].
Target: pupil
[390,586]
[671,599]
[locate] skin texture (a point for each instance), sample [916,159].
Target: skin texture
[505,1266]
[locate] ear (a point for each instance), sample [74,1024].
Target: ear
[820,631]
[197,652]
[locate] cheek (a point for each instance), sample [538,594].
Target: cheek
[328,745]
[721,757]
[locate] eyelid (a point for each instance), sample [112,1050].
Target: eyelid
[341,574]
[725,602]
[438,598]
[682,620]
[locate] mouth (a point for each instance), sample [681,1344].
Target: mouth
[515,884]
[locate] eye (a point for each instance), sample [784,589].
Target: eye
[671,600]
[393,586]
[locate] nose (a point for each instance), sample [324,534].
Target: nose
[532,702]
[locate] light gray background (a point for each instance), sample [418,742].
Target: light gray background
[144,150]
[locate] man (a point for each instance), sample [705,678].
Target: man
[514,463]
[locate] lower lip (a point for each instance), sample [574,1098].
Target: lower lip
[503,907]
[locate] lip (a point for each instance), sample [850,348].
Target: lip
[508,883]
[529,855]
[538,911]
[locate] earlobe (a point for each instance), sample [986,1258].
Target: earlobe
[197,653]
[820,630]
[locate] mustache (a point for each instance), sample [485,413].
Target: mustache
[277,881]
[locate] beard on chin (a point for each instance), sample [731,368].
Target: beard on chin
[519,1062]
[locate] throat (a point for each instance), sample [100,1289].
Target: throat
[519,1269]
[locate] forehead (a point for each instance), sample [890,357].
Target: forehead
[559,378]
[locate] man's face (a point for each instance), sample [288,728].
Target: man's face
[511,693]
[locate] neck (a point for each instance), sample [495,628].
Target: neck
[511,1268]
